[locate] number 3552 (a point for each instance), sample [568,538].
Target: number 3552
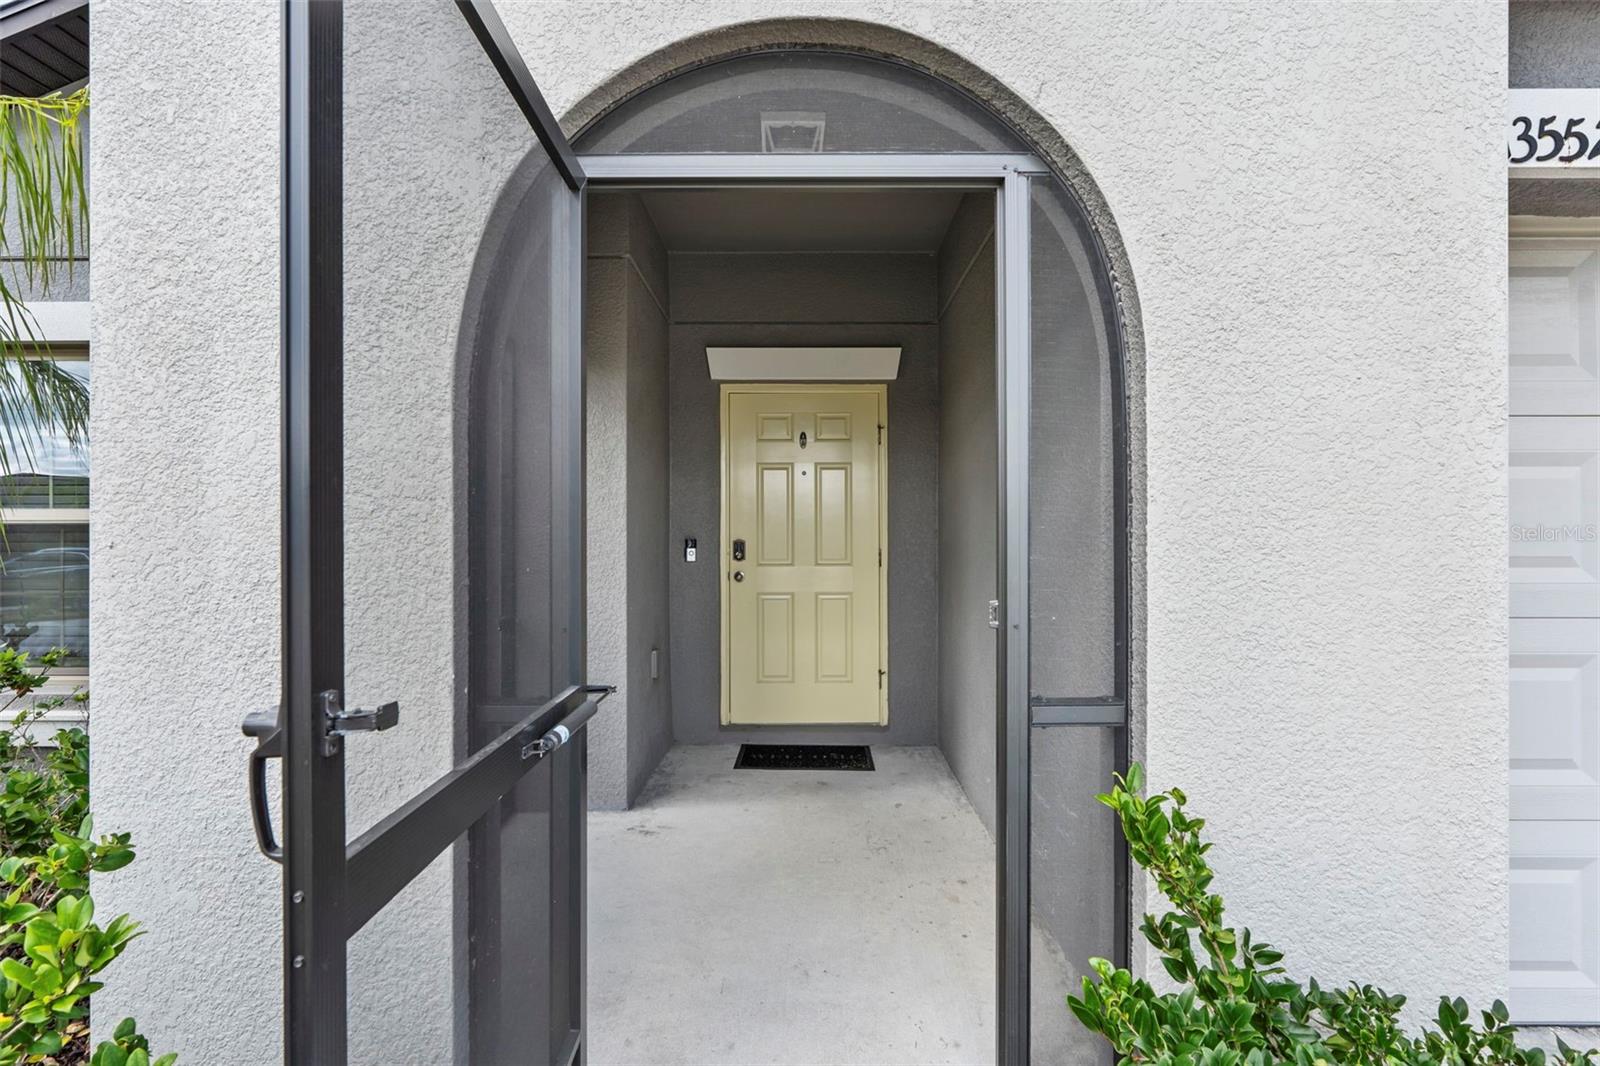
[1551,141]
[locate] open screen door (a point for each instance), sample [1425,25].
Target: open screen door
[431,725]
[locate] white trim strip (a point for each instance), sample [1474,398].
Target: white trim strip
[803,364]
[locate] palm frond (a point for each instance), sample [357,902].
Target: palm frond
[44,227]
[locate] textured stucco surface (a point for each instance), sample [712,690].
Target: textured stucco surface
[1554,44]
[626,452]
[1312,201]
[812,299]
[184,603]
[968,491]
[1554,197]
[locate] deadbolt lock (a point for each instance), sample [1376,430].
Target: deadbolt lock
[738,551]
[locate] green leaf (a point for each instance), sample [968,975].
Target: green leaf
[108,1054]
[113,859]
[16,972]
[1135,778]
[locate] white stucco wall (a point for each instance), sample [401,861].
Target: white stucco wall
[184,528]
[1312,202]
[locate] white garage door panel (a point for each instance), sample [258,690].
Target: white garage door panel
[1555,327]
[1555,921]
[1553,548]
[1555,517]
[1555,719]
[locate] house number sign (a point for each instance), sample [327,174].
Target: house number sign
[1554,128]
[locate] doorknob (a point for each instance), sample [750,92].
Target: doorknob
[738,575]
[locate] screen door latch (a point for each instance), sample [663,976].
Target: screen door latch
[994,614]
[342,723]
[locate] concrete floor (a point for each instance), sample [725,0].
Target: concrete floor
[766,916]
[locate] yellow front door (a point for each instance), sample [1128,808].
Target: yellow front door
[804,640]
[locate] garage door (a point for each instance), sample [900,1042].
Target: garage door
[1554,554]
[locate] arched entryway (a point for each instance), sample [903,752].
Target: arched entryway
[1031,718]
[436,236]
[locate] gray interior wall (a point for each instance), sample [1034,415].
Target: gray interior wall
[626,338]
[650,705]
[968,488]
[805,299]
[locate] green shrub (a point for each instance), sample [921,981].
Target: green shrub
[51,949]
[1235,1005]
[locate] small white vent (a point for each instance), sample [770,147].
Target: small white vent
[789,132]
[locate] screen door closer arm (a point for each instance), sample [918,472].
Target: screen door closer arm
[563,730]
[265,728]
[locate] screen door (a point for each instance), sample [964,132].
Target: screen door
[431,724]
[1064,648]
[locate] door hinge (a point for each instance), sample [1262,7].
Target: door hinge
[339,722]
[881,674]
[880,434]
[880,556]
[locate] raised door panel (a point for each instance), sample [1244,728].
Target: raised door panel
[1554,535]
[834,638]
[775,514]
[835,534]
[1554,293]
[1555,719]
[775,638]
[1555,922]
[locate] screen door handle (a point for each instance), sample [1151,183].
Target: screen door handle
[263,726]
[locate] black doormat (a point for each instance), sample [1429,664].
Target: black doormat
[804,757]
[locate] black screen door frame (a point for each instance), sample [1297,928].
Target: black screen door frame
[332,886]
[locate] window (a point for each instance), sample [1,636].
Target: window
[44,550]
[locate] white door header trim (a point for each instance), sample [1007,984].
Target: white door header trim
[803,364]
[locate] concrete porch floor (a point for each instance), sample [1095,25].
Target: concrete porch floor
[781,916]
[789,916]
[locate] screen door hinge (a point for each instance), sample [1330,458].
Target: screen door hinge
[339,722]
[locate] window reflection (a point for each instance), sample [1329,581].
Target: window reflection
[46,469]
[44,590]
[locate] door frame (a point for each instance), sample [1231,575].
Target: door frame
[729,389]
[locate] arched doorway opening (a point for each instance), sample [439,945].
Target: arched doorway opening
[818,198]
[921,302]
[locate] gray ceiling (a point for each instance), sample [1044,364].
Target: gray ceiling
[801,220]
